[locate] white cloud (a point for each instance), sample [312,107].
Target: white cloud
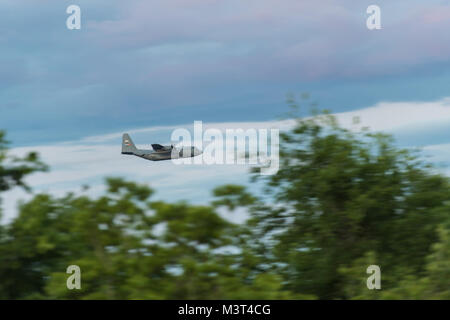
[393,116]
[88,160]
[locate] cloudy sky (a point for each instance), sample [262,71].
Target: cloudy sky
[150,66]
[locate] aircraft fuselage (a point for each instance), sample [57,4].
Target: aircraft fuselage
[159,153]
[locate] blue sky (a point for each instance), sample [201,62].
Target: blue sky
[140,64]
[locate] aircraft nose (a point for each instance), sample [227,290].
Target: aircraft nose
[197,151]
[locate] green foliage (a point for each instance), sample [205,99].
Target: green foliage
[232,196]
[127,248]
[340,202]
[13,170]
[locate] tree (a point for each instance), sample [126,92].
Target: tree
[338,196]
[438,266]
[13,171]
[128,247]
[341,201]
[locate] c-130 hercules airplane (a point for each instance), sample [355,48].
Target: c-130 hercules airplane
[159,152]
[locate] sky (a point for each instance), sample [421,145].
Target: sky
[148,67]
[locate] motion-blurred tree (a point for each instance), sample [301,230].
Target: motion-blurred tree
[128,247]
[338,196]
[13,171]
[341,201]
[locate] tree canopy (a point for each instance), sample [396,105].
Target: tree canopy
[341,201]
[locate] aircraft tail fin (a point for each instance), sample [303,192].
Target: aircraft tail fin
[128,146]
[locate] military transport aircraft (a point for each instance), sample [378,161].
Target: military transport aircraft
[159,152]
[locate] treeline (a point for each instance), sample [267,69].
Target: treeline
[341,201]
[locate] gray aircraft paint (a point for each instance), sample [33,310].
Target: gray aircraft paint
[162,152]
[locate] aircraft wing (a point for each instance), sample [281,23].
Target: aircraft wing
[158,147]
